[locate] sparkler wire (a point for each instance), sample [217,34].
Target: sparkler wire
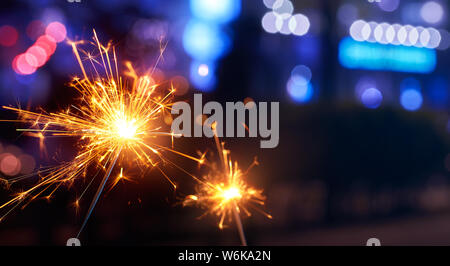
[99,192]
[238,221]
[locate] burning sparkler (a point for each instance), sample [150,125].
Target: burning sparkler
[117,122]
[224,193]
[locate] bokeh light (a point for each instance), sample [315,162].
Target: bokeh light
[8,35]
[35,29]
[299,24]
[47,43]
[371,98]
[410,94]
[222,11]
[38,53]
[57,31]
[203,70]
[411,100]
[205,41]
[283,8]
[395,34]
[432,12]
[299,92]
[269,21]
[10,165]
[282,25]
[202,75]
[21,66]
[301,75]
[444,43]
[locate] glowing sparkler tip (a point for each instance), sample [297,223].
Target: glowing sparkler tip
[231,193]
[125,129]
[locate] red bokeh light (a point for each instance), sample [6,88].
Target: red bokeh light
[21,65]
[10,165]
[39,54]
[35,29]
[8,35]
[47,43]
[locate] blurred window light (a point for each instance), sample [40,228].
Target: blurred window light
[205,41]
[411,99]
[395,34]
[374,56]
[218,11]
[202,75]
[388,5]
[300,92]
[8,35]
[371,98]
[299,24]
[432,12]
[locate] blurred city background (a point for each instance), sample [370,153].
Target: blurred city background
[363,88]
